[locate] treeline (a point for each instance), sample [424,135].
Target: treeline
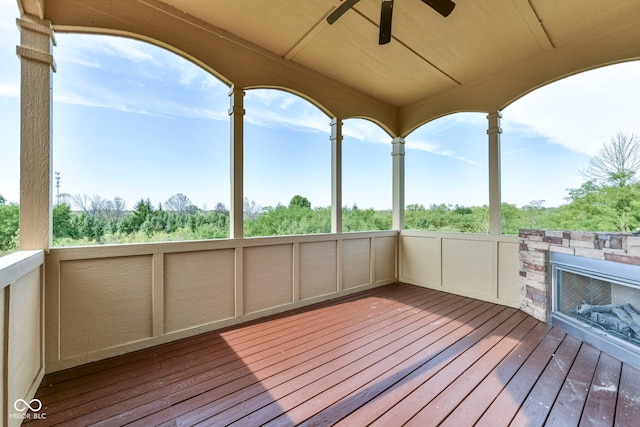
[107,222]
[592,207]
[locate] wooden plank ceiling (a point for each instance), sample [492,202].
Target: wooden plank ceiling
[480,58]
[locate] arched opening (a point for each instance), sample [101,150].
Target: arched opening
[140,144]
[287,165]
[447,175]
[367,174]
[549,137]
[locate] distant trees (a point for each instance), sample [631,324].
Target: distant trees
[608,201]
[220,207]
[177,203]
[63,222]
[599,207]
[251,210]
[616,163]
[91,205]
[448,217]
[612,191]
[114,210]
[298,201]
[101,221]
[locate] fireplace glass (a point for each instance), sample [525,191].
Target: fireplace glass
[604,306]
[598,301]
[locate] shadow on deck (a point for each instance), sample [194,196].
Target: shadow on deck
[394,355]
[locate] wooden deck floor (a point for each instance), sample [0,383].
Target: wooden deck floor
[396,355]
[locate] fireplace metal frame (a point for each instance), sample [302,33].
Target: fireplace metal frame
[614,272]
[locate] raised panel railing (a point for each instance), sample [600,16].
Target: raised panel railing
[107,300]
[481,266]
[23,365]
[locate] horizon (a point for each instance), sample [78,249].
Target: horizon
[124,111]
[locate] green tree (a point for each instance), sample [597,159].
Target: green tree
[9,226]
[92,227]
[588,209]
[511,219]
[626,203]
[283,220]
[298,201]
[62,224]
[142,212]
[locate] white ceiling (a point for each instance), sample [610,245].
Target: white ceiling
[480,58]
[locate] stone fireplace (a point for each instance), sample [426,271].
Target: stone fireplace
[587,284]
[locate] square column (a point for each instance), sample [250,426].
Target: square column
[495,196]
[336,175]
[398,183]
[236,113]
[37,65]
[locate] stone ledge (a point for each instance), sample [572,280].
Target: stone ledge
[536,245]
[625,259]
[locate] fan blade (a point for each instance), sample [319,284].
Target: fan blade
[443,7]
[340,10]
[385,21]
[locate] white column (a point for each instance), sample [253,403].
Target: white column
[495,197]
[398,183]
[336,175]
[236,113]
[37,65]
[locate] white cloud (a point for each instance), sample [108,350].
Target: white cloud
[130,57]
[451,131]
[438,151]
[272,108]
[111,46]
[8,8]
[583,111]
[10,89]
[158,108]
[366,131]
[136,77]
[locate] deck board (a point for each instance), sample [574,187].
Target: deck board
[600,406]
[395,355]
[568,407]
[480,398]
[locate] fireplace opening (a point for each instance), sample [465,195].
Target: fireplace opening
[599,302]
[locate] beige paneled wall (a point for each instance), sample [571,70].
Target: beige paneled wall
[198,288]
[21,279]
[319,267]
[481,266]
[90,285]
[385,265]
[107,300]
[356,254]
[268,277]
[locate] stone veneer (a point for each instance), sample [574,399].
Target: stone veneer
[535,271]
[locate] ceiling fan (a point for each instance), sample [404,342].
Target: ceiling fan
[443,7]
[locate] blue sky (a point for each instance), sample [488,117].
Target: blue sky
[134,121]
